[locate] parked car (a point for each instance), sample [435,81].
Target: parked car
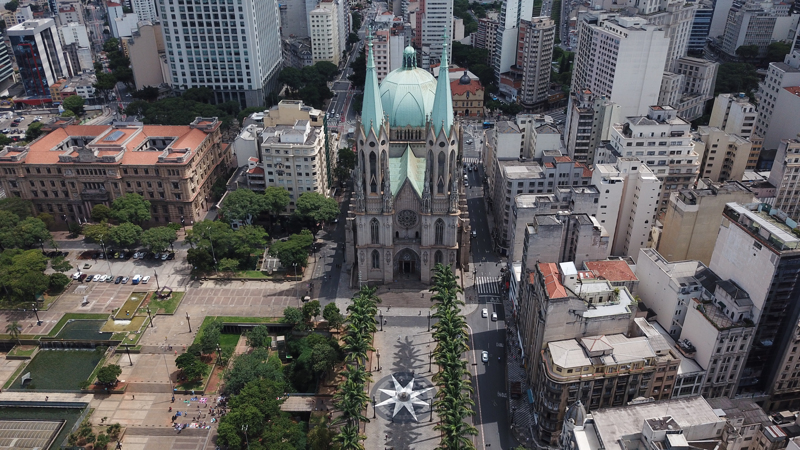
[96,278]
[485,356]
[82,277]
[125,280]
[118,280]
[136,279]
[146,279]
[102,278]
[76,275]
[109,278]
[164,256]
[14,124]
[172,256]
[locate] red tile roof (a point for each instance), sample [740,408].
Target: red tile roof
[256,170]
[562,159]
[793,90]
[612,270]
[460,89]
[552,280]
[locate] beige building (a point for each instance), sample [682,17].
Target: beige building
[148,58]
[72,168]
[287,112]
[734,114]
[784,177]
[467,96]
[726,155]
[693,217]
[324,26]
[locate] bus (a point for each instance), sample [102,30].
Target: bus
[487,125]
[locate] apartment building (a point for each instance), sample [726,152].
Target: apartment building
[387,49]
[688,86]
[506,39]
[72,168]
[629,193]
[662,141]
[486,36]
[528,79]
[148,56]
[70,13]
[693,216]
[243,44]
[434,20]
[734,114]
[757,250]
[779,75]
[82,86]
[745,421]
[757,23]
[38,53]
[726,155]
[587,123]
[563,237]
[621,58]
[784,177]
[785,123]
[323,21]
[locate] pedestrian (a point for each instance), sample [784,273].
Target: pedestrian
[133,397]
[46,397]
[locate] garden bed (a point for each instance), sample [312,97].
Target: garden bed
[166,306]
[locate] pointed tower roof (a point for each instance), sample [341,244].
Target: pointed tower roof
[372,110]
[442,114]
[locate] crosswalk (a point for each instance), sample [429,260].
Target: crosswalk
[471,160]
[488,285]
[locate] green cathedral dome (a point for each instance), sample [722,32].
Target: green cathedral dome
[407,93]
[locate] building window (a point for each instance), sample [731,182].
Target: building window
[438,257]
[439,229]
[374,227]
[376,259]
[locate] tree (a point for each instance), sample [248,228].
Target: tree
[191,366]
[28,233]
[327,69]
[747,52]
[47,218]
[324,357]
[776,52]
[105,83]
[293,252]
[101,442]
[276,199]
[258,364]
[210,338]
[125,235]
[293,316]
[243,114]
[131,208]
[356,16]
[200,259]
[97,232]
[320,438]
[17,206]
[228,265]
[359,75]
[13,329]
[57,282]
[101,212]
[74,103]
[258,337]
[147,93]
[11,6]
[67,114]
[158,239]
[311,309]
[111,45]
[114,430]
[316,207]
[736,77]
[60,264]
[21,274]
[107,375]
[352,38]
[345,162]
[242,205]
[333,315]
[34,131]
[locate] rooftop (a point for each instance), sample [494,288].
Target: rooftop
[616,270]
[769,224]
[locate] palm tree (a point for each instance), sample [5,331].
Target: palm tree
[349,438]
[13,330]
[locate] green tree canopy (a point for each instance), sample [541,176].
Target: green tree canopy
[100,212]
[22,274]
[333,315]
[258,364]
[98,232]
[258,337]
[776,52]
[191,366]
[210,337]
[228,265]
[34,131]
[27,233]
[12,6]
[125,235]
[747,52]
[736,77]
[311,310]
[57,282]
[276,199]
[242,205]
[131,208]
[315,207]
[293,316]
[17,206]
[294,250]
[158,239]
[107,375]
[111,45]
[147,93]
[74,103]
[105,83]
[60,264]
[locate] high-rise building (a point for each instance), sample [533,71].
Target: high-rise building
[784,177]
[294,18]
[628,200]
[324,24]
[675,19]
[785,123]
[622,58]
[757,250]
[122,24]
[528,79]
[720,18]
[780,75]
[249,47]
[387,48]
[486,36]
[726,155]
[148,56]
[70,12]
[37,50]
[434,20]
[734,114]
[759,24]
[589,118]
[693,216]
[564,237]
[664,142]
[701,25]
[145,10]
[6,67]
[505,53]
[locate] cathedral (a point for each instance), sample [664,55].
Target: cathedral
[408,210]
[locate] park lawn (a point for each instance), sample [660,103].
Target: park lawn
[231,319]
[71,316]
[252,274]
[228,340]
[23,350]
[168,306]
[128,309]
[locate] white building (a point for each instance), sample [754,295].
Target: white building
[250,46]
[628,200]
[785,122]
[121,24]
[70,12]
[784,177]
[74,33]
[324,24]
[505,41]
[662,141]
[759,24]
[145,10]
[734,114]
[588,121]
[435,19]
[388,49]
[779,76]
[622,58]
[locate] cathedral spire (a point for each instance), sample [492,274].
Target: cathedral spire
[442,115]
[372,110]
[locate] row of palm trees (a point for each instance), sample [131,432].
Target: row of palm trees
[351,399]
[453,403]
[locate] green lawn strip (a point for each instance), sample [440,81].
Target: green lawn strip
[251,274]
[73,316]
[228,340]
[99,365]
[168,306]
[16,374]
[17,351]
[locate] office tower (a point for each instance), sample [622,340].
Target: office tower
[701,25]
[784,177]
[720,18]
[6,67]
[530,74]
[145,10]
[780,75]
[148,56]
[244,57]
[622,58]
[734,114]
[434,20]
[294,18]
[692,220]
[757,250]
[505,53]
[663,141]
[37,50]
[675,19]
[758,24]
[324,23]
[629,193]
[589,118]
[785,122]
[696,87]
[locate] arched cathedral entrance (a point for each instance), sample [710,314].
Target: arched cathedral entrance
[407,265]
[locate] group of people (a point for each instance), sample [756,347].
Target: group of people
[204,409]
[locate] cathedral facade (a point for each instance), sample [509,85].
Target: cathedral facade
[408,211]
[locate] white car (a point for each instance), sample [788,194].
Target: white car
[484,313]
[96,278]
[102,278]
[77,275]
[494,317]
[145,279]
[485,356]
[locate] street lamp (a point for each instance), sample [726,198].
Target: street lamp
[296,285]
[429,321]
[430,361]
[513,414]
[42,244]
[219,353]
[155,274]
[380,316]
[105,255]
[36,311]
[183,224]
[373,406]
[430,401]
[379,360]
[151,317]
[190,323]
